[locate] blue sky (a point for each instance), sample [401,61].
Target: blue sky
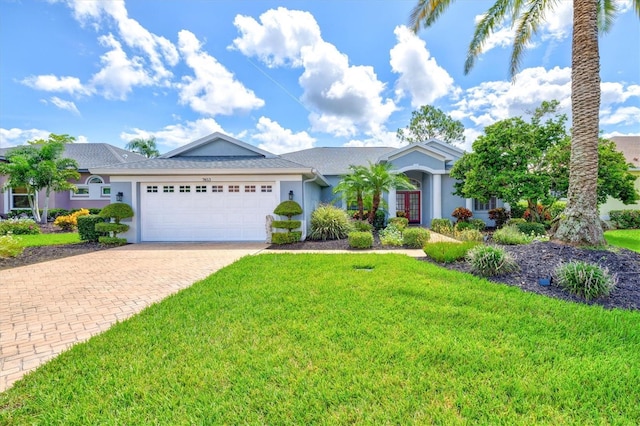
[285,75]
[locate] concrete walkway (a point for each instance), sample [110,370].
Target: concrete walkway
[48,307]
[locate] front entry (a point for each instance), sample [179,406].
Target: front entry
[409,203]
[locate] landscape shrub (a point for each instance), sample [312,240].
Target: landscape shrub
[10,246]
[625,219]
[500,216]
[448,252]
[53,214]
[556,209]
[70,222]
[360,239]
[117,211]
[532,228]
[288,208]
[518,209]
[87,227]
[390,236]
[362,226]
[478,224]
[585,279]
[286,224]
[442,226]
[329,223]
[415,237]
[114,241]
[489,261]
[379,220]
[541,215]
[511,235]
[286,237]
[94,211]
[462,214]
[515,221]
[399,222]
[469,235]
[461,226]
[22,226]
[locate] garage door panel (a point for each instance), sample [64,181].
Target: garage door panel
[205,216]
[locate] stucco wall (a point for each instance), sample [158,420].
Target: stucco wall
[415,158]
[613,204]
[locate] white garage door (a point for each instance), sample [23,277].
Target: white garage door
[206,211]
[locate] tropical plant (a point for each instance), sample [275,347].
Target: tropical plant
[40,166]
[329,223]
[580,222]
[462,214]
[146,147]
[430,122]
[511,235]
[442,226]
[489,261]
[585,279]
[353,186]
[379,178]
[391,236]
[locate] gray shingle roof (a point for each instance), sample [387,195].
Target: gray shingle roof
[336,160]
[185,163]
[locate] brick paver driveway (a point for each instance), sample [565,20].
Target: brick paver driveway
[47,307]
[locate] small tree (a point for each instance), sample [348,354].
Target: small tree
[353,187]
[146,147]
[379,178]
[430,122]
[289,209]
[115,212]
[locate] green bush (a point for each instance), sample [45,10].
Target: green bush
[19,227]
[511,235]
[379,219]
[489,261]
[329,223]
[360,240]
[87,227]
[625,219]
[515,221]
[532,228]
[556,209]
[288,208]
[478,224]
[286,237]
[517,210]
[362,226]
[94,211]
[53,214]
[442,226]
[461,226]
[447,252]
[113,241]
[469,235]
[286,224]
[585,279]
[391,236]
[117,211]
[415,237]
[462,214]
[500,216]
[10,246]
[108,227]
[399,222]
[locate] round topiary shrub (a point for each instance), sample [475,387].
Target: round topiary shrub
[329,223]
[415,237]
[288,208]
[489,261]
[585,279]
[117,211]
[400,222]
[360,240]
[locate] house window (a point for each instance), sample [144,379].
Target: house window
[152,188]
[168,188]
[234,188]
[480,206]
[185,188]
[201,188]
[266,188]
[93,188]
[19,198]
[249,188]
[82,191]
[105,191]
[95,180]
[415,182]
[217,188]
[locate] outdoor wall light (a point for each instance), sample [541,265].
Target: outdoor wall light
[291,195]
[119,196]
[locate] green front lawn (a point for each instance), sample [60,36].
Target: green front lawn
[627,238]
[341,339]
[48,239]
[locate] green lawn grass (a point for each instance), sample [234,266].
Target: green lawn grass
[48,239]
[342,339]
[627,238]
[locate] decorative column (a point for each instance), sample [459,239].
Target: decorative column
[437,196]
[391,202]
[469,205]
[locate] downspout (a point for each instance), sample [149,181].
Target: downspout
[304,201]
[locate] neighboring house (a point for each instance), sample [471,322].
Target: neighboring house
[221,189]
[630,148]
[93,190]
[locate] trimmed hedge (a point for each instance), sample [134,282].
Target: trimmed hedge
[288,208]
[286,224]
[625,219]
[19,227]
[360,240]
[415,237]
[116,228]
[286,237]
[87,227]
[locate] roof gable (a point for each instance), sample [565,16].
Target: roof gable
[218,145]
[431,148]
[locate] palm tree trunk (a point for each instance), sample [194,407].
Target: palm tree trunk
[581,224]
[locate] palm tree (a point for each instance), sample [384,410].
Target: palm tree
[379,179]
[353,186]
[580,223]
[146,147]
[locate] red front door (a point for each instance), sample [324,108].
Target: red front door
[409,203]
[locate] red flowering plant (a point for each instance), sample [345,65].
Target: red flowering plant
[462,214]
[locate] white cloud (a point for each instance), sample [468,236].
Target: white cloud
[176,135]
[381,138]
[420,74]
[66,105]
[626,115]
[278,140]
[15,136]
[344,99]
[213,89]
[52,83]
[279,37]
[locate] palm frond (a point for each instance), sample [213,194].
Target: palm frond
[607,10]
[527,26]
[489,22]
[426,12]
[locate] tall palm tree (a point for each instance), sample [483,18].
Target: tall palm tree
[353,186]
[379,179]
[580,223]
[146,147]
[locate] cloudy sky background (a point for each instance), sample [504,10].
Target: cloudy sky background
[282,75]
